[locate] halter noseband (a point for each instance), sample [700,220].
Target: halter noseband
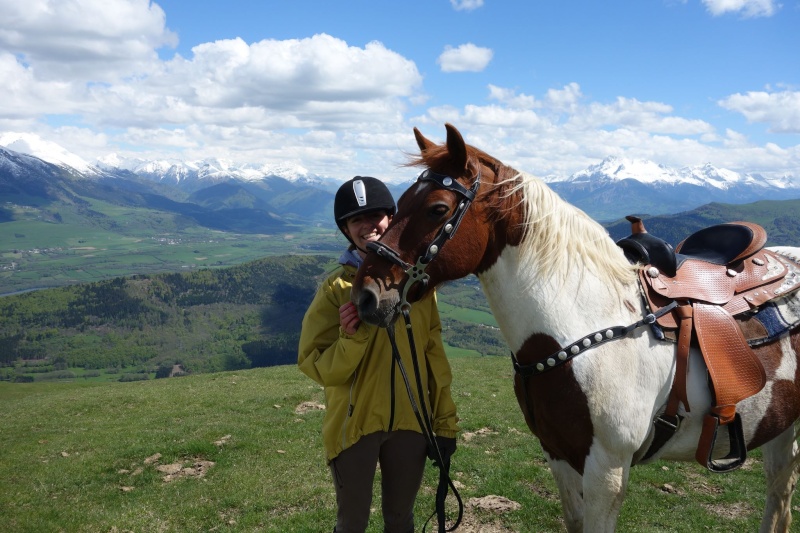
[416,273]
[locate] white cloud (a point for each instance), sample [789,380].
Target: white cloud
[566,99]
[747,8]
[300,83]
[510,98]
[652,117]
[465,58]
[93,82]
[781,110]
[565,134]
[87,39]
[466,5]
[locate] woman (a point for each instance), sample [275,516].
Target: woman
[369,418]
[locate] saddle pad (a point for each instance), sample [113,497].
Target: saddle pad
[778,317]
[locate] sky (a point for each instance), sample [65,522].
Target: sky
[337,86]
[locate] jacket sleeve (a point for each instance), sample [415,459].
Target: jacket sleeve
[439,378]
[326,354]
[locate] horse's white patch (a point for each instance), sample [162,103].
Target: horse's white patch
[788,366]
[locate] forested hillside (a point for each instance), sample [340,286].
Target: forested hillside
[780,218]
[204,321]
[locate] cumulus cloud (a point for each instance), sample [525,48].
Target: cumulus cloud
[93,39]
[87,74]
[466,5]
[559,133]
[298,83]
[510,98]
[746,8]
[630,113]
[566,99]
[781,110]
[465,58]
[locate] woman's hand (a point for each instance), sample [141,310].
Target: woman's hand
[348,318]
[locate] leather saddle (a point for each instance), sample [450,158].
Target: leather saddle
[713,275]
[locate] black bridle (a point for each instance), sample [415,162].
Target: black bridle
[416,273]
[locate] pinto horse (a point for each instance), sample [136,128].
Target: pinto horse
[552,276]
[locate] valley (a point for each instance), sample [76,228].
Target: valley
[39,249]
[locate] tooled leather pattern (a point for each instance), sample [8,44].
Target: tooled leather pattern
[735,370]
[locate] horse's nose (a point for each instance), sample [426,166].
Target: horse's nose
[367,304]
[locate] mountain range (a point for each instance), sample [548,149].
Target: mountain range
[250,198]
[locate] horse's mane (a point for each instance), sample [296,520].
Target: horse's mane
[556,235]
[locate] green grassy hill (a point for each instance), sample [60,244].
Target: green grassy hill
[232,452]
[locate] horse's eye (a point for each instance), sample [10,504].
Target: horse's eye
[439,210]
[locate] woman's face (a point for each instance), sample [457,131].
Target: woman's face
[366,227]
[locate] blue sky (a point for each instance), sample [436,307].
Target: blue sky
[336,86]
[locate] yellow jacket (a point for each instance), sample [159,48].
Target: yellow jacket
[363,392]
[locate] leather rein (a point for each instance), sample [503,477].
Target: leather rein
[416,274]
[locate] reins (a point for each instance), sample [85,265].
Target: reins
[424,419]
[414,274]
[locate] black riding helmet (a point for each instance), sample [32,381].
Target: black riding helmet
[359,195]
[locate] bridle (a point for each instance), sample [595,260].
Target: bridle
[416,272]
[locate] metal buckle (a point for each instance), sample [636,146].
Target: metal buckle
[660,420]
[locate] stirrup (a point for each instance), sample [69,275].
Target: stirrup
[738,449]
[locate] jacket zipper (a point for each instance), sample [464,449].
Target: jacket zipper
[350,408]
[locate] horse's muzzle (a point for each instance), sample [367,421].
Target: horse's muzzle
[375,307]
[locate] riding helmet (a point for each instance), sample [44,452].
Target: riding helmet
[361,195]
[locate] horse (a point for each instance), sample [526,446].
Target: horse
[552,275]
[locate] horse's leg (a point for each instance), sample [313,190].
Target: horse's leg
[570,490]
[780,467]
[605,479]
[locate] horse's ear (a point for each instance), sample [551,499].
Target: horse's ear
[422,142]
[456,146]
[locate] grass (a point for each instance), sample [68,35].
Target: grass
[463,314]
[79,457]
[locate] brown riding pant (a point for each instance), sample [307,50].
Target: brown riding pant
[402,458]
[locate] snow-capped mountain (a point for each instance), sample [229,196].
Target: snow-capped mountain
[608,190]
[648,172]
[207,171]
[32,144]
[175,172]
[617,187]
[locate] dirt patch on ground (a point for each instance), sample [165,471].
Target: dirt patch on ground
[308,406]
[731,511]
[189,467]
[467,436]
[480,515]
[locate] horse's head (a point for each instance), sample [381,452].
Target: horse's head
[441,230]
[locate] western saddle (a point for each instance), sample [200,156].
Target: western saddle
[714,275]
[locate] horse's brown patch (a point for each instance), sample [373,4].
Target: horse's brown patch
[784,408]
[555,408]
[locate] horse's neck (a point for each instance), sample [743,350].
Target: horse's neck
[523,303]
